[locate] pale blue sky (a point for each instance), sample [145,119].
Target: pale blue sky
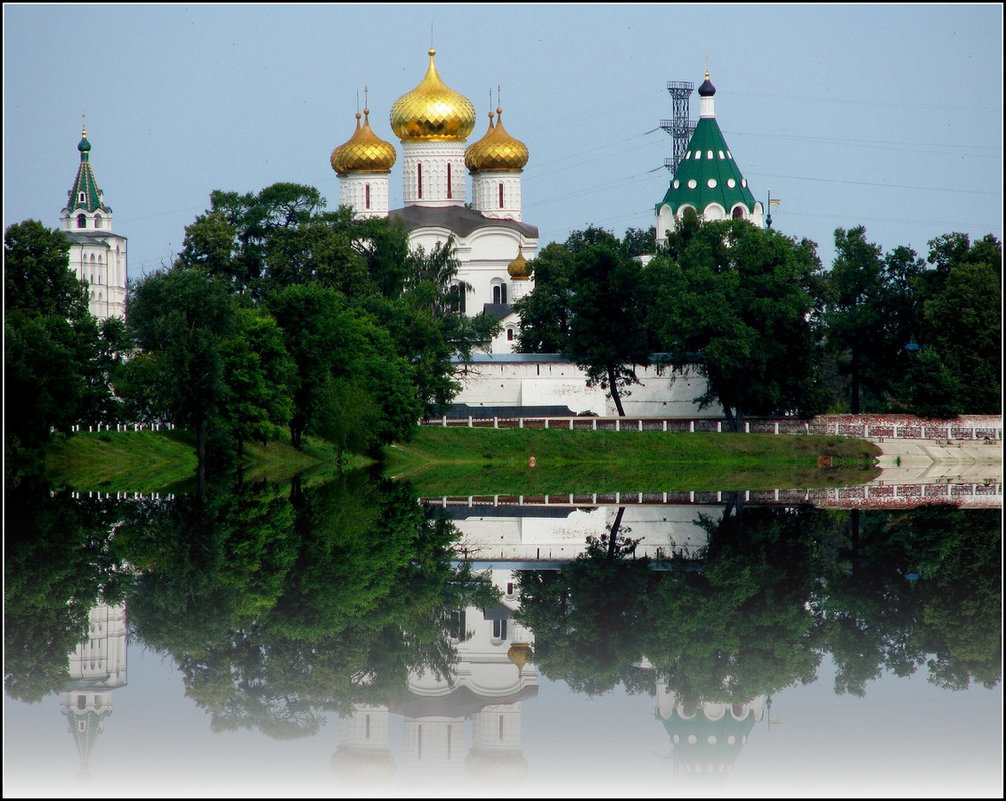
[889,116]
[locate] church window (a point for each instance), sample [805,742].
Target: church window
[81,197]
[738,213]
[698,154]
[709,155]
[499,629]
[501,194]
[97,221]
[499,293]
[509,338]
[366,202]
[81,221]
[449,193]
[419,181]
[721,155]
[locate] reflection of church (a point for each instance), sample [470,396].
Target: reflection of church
[707,737]
[467,726]
[97,667]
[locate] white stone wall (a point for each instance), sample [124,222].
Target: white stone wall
[503,382]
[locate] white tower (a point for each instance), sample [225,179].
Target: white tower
[97,255]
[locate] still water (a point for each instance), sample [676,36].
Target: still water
[349,638]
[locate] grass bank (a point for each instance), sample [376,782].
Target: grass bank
[466,461]
[159,461]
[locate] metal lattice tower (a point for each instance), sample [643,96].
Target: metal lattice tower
[679,126]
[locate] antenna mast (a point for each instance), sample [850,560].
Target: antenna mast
[679,126]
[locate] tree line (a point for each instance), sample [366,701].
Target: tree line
[771,330]
[279,315]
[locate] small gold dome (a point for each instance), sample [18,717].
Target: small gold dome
[364,152]
[432,111]
[517,655]
[497,150]
[518,268]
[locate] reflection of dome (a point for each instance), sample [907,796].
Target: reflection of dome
[497,150]
[496,765]
[432,111]
[367,765]
[519,271]
[517,653]
[364,152]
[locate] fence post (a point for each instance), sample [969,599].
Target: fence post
[747,427]
[691,426]
[469,421]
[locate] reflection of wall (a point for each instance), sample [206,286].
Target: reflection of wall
[488,684]
[535,534]
[97,667]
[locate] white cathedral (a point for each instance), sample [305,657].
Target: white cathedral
[493,243]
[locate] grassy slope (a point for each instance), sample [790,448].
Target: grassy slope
[463,461]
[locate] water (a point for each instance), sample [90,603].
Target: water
[336,640]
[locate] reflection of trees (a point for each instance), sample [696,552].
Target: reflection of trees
[879,617]
[59,559]
[739,627]
[277,608]
[589,617]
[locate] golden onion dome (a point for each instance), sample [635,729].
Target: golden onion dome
[432,111]
[497,150]
[364,152]
[518,268]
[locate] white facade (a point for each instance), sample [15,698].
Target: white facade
[547,380]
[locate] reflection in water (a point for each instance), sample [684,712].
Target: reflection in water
[428,631]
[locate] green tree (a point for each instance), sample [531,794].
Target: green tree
[855,316]
[182,319]
[53,355]
[962,323]
[746,301]
[258,376]
[545,311]
[607,334]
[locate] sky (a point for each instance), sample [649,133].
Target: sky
[885,116]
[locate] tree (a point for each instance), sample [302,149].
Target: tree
[607,336]
[181,318]
[258,377]
[855,317]
[53,357]
[743,299]
[962,327]
[545,311]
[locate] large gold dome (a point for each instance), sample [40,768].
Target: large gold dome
[432,111]
[364,152]
[497,150]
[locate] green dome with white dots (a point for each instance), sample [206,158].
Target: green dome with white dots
[707,173]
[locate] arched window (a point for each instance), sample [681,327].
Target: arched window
[738,213]
[367,192]
[97,221]
[449,195]
[81,197]
[499,293]
[501,194]
[81,221]
[509,338]
[419,181]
